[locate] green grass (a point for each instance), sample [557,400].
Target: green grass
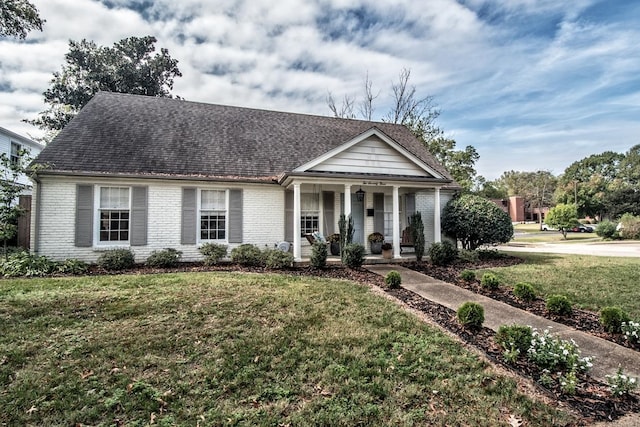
[590,282]
[236,349]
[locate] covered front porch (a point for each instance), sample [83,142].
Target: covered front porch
[314,204]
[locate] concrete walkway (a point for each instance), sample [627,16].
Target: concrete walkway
[607,355]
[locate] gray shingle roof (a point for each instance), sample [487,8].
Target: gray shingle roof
[141,135]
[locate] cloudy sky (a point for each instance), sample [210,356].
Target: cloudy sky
[532,84]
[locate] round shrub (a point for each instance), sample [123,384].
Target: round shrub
[116,259]
[559,304]
[442,253]
[73,266]
[606,229]
[277,260]
[213,253]
[168,257]
[612,318]
[393,279]
[476,221]
[468,255]
[524,291]
[319,255]
[468,275]
[490,281]
[353,255]
[515,337]
[471,315]
[247,255]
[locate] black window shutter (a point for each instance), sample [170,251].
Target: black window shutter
[189,217]
[84,216]
[328,201]
[235,216]
[288,216]
[138,216]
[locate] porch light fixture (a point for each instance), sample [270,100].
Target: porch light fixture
[360,195]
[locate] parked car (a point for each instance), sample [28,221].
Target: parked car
[581,228]
[545,227]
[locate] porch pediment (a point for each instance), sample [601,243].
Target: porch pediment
[372,152]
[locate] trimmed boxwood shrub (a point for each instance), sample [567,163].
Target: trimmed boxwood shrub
[442,253]
[468,275]
[213,253]
[524,291]
[490,281]
[515,337]
[393,279]
[319,255]
[277,259]
[353,255]
[116,259]
[612,318]
[471,315]
[247,255]
[168,257]
[559,304]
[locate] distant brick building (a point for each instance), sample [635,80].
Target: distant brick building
[517,209]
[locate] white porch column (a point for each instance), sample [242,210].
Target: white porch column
[396,222]
[347,200]
[297,249]
[437,237]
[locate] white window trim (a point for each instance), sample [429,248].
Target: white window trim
[200,241]
[96,221]
[320,212]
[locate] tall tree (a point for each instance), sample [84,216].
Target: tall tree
[128,67]
[586,182]
[419,115]
[537,188]
[18,17]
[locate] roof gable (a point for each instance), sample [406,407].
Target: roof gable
[372,152]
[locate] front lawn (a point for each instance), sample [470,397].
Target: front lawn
[591,282]
[236,349]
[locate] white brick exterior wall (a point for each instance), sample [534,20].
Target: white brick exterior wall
[263,217]
[425,204]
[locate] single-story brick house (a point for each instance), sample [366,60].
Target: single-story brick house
[150,173]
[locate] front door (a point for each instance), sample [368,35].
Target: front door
[357,213]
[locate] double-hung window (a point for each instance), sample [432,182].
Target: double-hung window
[114,213]
[213,215]
[388,218]
[309,213]
[15,152]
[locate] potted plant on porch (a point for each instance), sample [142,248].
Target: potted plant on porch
[375,241]
[334,244]
[387,250]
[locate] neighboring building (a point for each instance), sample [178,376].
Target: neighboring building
[11,143]
[518,210]
[150,173]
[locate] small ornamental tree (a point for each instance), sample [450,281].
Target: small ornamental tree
[476,221]
[562,217]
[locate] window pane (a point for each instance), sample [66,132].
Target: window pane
[114,226]
[114,198]
[309,202]
[213,200]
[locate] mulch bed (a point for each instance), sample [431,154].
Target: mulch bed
[582,320]
[592,400]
